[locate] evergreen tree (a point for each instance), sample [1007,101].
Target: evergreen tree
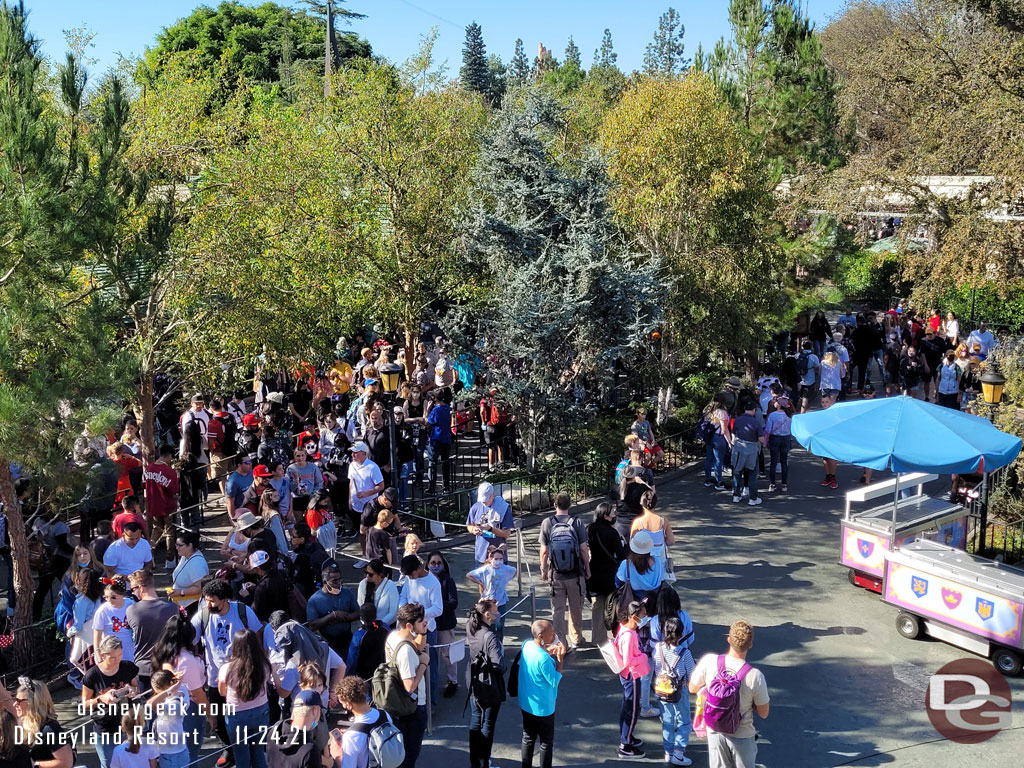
[497,80]
[54,343]
[475,72]
[519,67]
[664,54]
[572,55]
[773,73]
[567,299]
[605,56]
[543,63]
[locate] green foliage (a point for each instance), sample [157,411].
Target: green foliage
[475,73]
[572,54]
[268,43]
[774,74]
[869,276]
[519,67]
[664,55]
[996,307]
[605,57]
[566,298]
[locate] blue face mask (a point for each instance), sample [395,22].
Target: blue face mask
[644,622]
[436,569]
[313,725]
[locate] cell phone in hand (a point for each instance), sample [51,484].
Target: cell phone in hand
[336,735]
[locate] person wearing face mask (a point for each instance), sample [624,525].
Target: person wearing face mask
[301,740]
[380,589]
[636,666]
[424,588]
[446,622]
[482,640]
[111,618]
[215,624]
[332,609]
[128,554]
[492,579]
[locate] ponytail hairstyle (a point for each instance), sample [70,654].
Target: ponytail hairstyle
[476,616]
[672,631]
[133,723]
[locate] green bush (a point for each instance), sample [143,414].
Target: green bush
[994,307]
[871,276]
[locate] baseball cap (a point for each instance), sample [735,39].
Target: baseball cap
[261,470]
[484,492]
[250,420]
[198,398]
[307,699]
[368,382]
[359,445]
[258,558]
[398,409]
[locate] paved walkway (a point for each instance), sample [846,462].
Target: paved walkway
[846,688]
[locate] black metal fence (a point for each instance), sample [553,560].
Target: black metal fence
[990,536]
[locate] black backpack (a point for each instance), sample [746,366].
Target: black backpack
[229,443]
[513,675]
[803,363]
[706,429]
[621,598]
[564,547]
[486,681]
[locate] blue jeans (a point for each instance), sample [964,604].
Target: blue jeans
[194,725]
[709,462]
[177,760]
[481,733]
[675,726]
[435,667]
[245,730]
[778,447]
[720,451]
[105,743]
[819,348]
[412,729]
[630,711]
[645,687]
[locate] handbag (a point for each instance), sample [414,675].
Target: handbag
[670,569]
[611,657]
[82,654]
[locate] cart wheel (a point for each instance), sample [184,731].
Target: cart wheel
[852,577]
[1006,661]
[908,625]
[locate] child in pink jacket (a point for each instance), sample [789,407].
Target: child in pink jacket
[635,667]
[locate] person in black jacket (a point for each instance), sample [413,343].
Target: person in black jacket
[606,552]
[482,641]
[438,565]
[310,557]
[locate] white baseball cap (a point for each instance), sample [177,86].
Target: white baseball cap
[359,445]
[484,492]
[258,558]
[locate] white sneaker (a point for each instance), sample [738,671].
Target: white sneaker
[754,502]
[736,499]
[650,713]
[745,493]
[680,761]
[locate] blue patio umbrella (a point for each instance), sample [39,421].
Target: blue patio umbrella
[906,435]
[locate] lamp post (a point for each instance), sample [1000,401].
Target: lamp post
[389,374]
[992,382]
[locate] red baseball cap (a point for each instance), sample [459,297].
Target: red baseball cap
[250,420]
[260,470]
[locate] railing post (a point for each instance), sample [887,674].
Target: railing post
[533,604]
[519,556]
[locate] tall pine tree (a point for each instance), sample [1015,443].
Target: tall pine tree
[605,56]
[519,67]
[568,297]
[664,54]
[475,74]
[572,54]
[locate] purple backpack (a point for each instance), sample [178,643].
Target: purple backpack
[722,707]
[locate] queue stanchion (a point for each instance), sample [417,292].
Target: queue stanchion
[430,704]
[533,604]
[520,556]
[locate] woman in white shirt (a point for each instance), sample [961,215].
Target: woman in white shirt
[192,568]
[384,591]
[952,330]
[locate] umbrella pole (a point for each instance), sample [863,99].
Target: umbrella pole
[895,504]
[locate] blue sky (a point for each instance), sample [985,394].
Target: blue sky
[394,27]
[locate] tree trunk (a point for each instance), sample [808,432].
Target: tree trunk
[753,366]
[410,351]
[24,587]
[665,394]
[146,414]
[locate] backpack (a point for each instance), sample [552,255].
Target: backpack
[204,618]
[384,741]
[278,453]
[486,682]
[803,363]
[668,686]
[722,707]
[621,597]
[563,547]
[706,429]
[388,689]
[229,442]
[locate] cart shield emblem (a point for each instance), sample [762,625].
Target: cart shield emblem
[919,586]
[985,608]
[865,548]
[951,598]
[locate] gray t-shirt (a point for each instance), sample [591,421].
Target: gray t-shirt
[147,619]
[578,527]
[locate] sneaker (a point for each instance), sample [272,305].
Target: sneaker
[650,713]
[226,759]
[862,480]
[637,743]
[736,499]
[450,690]
[719,487]
[785,488]
[827,481]
[772,488]
[835,482]
[681,760]
[755,502]
[668,757]
[708,484]
[629,752]
[745,493]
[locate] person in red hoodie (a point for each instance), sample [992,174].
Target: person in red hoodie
[129,514]
[162,500]
[125,464]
